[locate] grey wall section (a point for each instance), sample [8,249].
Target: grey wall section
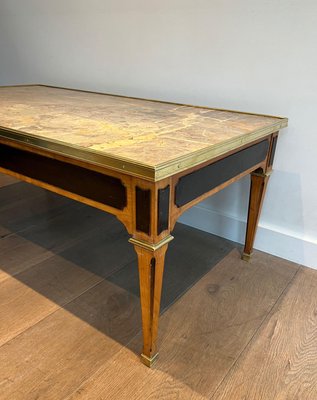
[238,54]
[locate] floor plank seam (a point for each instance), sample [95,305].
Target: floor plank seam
[8,184]
[53,312]
[102,366]
[6,235]
[57,251]
[7,207]
[17,232]
[69,302]
[268,315]
[61,210]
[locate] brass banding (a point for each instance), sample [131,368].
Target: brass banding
[151,246]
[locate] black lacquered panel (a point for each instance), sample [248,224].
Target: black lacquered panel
[143,210]
[195,184]
[92,185]
[163,209]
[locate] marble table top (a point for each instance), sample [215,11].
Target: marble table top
[148,138]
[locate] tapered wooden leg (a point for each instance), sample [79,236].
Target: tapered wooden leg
[259,182]
[151,267]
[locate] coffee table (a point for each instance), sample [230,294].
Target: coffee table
[145,161]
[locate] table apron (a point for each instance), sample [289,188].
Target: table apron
[85,183]
[195,184]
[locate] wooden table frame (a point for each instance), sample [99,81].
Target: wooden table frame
[148,209]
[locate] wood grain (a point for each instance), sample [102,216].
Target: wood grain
[83,182]
[48,230]
[13,193]
[188,259]
[201,335]
[281,361]
[6,180]
[52,358]
[40,290]
[19,254]
[151,269]
[259,181]
[71,321]
[23,305]
[67,179]
[28,214]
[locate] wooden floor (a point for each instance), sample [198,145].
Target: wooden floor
[70,316]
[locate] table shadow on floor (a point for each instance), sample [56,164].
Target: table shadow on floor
[99,244]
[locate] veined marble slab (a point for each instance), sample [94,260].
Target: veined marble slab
[143,137]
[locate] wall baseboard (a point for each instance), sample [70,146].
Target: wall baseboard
[268,239]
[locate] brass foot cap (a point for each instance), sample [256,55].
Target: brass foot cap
[246,257]
[149,361]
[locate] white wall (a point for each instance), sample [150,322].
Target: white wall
[253,55]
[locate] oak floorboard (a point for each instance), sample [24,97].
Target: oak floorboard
[48,232]
[281,361]
[24,208]
[55,356]
[52,231]
[201,335]
[18,254]
[15,196]
[189,257]
[19,250]
[31,211]
[4,232]
[37,292]
[70,315]
[6,180]
[12,194]
[23,305]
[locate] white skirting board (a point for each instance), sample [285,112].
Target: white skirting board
[268,239]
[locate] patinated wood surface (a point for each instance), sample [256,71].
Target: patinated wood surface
[79,339]
[285,348]
[165,137]
[122,154]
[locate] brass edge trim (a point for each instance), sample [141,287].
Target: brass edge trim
[152,173]
[77,153]
[262,174]
[200,156]
[130,167]
[239,140]
[246,257]
[151,246]
[149,361]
